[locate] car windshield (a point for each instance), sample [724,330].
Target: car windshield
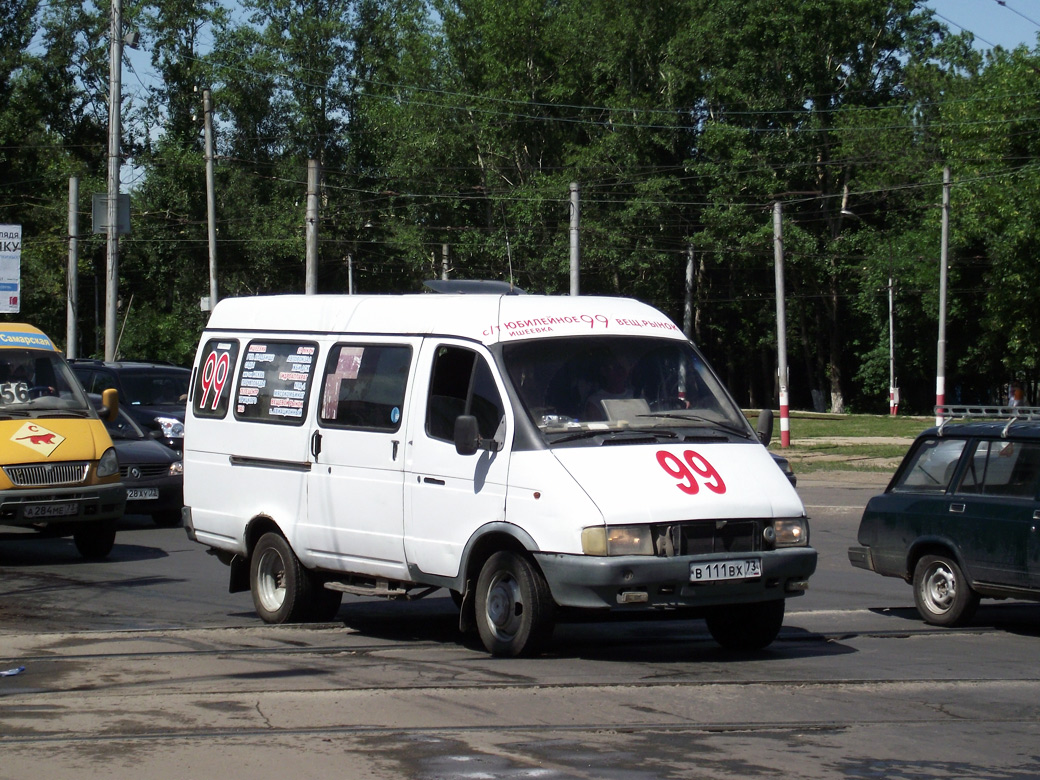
[577,388]
[156,387]
[38,383]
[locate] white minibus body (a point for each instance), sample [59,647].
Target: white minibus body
[534,455]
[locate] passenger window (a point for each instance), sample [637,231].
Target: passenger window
[1003,468]
[933,466]
[274,382]
[212,394]
[462,383]
[364,386]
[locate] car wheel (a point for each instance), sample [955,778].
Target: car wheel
[514,608]
[746,626]
[96,540]
[942,593]
[281,587]
[326,603]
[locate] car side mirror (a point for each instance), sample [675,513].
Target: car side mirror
[764,429]
[110,404]
[467,434]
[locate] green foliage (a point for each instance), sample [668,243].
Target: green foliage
[462,123]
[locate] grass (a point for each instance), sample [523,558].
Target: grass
[827,442]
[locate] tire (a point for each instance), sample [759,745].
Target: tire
[325,604]
[746,627]
[514,608]
[282,589]
[941,592]
[170,518]
[95,540]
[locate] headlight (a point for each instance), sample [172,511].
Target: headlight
[176,468]
[109,463]
[617,540]
[171,427]
[793,532]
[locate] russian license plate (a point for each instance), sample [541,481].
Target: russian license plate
[49,510]
[713,571]
[137,494]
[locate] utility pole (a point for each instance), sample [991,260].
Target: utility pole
[115,70]
[575,243]
[312,227]
[211,198]
[72,282]
[444,261]
[940,374]
[781,326]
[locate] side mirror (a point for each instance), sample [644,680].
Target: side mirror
[764,429]
[467,434]
[110,404]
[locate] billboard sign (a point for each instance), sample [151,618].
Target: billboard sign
[10,268]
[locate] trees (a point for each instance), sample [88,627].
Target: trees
[461,123]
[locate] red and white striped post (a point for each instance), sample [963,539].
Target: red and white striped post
[781,326]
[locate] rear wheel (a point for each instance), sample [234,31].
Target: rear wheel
[514,608]
[282,589]
[746,626]
[94,541]
[942,593]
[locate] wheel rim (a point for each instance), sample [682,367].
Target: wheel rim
[505,605]
[270,580]
[940,589]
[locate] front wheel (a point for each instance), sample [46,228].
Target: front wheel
[514,608]
[942,593]
[746,626]
[96,540]
[281,587]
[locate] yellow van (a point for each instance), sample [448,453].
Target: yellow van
[59,473]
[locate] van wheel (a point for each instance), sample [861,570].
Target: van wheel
[281,587]
[96,540]
[514,608]
[326,603]
[942,593]
[746,626]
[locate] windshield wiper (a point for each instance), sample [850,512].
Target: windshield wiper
[698,418]
[591,433]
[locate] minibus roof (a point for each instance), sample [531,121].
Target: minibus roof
[486,318]
[18,335]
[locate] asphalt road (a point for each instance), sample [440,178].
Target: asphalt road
[144,666]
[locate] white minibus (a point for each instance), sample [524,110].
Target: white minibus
[539,457]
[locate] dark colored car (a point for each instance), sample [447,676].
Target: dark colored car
[961,516]
[154,394]
[152,473]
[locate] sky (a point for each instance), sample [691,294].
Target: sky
[1006,23]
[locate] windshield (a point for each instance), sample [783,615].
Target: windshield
[570,386]
[156,387]
[38,383]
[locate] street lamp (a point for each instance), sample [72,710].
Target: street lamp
[893,391]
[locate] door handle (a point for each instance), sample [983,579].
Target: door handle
[958,508]
[316,444]
[433,481]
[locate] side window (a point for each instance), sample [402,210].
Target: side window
[274,381]
[212,394]
[363,386]
[462,383]
[1003,468]
[103,381]
[932,468]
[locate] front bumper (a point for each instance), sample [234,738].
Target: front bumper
[618,583]
[861,558]
[61,506]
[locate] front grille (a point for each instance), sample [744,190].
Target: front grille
[144,471]
[704,537]
[48,474]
